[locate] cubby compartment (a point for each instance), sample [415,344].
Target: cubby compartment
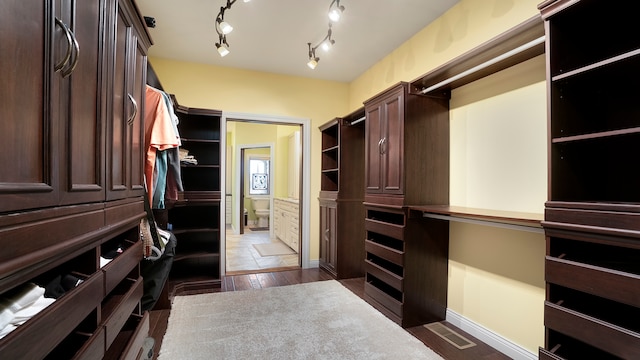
[329,180]
[128,343]
[197,241]
[580,36]
[390,297]
[564,347]
[395,218]
[605,324]
[196,216]
[64,315]
[118,306]
[596,170]
[200,126]
[385,247]
[201,177]
[206,152]
[123,265]
[86,342]
[583,108]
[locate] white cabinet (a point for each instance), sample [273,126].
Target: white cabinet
[286,222]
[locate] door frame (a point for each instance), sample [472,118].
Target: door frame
[305,185]
[238,187]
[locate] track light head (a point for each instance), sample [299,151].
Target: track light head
[335,12]
[313,59]
[223,49]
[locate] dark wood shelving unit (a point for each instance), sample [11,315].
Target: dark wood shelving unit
[341,196]
[592,223]
[195,217]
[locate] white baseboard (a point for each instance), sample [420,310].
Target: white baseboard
[314,264]
[490,338]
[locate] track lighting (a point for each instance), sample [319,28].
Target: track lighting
[327,42]
[223,28]
[335,12]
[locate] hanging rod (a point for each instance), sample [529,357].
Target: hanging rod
[358,120]
[486,64]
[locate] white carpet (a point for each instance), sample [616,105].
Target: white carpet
[319,320]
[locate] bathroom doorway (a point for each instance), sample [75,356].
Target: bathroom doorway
[245,187]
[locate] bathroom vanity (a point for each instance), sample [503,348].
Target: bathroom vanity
[286,221]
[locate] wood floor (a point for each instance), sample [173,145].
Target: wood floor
[158,318]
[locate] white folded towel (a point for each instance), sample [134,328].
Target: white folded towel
[7,329]
[6,315]
[25,295]
[27,313]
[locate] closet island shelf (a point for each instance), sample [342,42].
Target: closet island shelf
[487,216]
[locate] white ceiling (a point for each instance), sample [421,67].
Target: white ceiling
[272,35]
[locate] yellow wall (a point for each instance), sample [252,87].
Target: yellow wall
[465,26]
[490,268]
[499,161]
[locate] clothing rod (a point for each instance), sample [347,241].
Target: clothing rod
[497,224]
[357,121]
[486,64]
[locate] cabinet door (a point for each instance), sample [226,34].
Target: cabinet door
[373,149]
[125,140]
[392,145]
[81,107]
[328,229]
[28,128]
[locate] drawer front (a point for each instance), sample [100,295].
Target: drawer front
[610,338]
[544,354]
[119,267]
[387,253]
[385,275]
[383,303]
[387,229]
[140,326]
[599,281]
[613,220]
[63,315]
[118,317]
[94,348]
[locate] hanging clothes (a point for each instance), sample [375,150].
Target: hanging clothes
[160,134]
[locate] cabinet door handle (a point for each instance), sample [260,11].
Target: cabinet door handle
[381,145]
[76,54]
[67,56]
[135,110]
[326,235]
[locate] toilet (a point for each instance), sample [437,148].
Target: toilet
[261,209]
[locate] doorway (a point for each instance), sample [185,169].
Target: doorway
[236,187]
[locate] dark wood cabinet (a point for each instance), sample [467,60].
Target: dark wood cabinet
[126,131]
[407,163]
[406,265]
[407,147]
[195,217]
[56,215]
[592,265]
[341,196]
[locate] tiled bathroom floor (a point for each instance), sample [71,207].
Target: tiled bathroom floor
[242,256]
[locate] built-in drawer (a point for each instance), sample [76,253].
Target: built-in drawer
[612,338]
[604,282]
[561,346]
[35,338]
[384,228]
[602,218]
[118,268]
[385,252]
[544,354]
[384,302]
[128,344]
[119,305]
[93,348]
[389,277]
